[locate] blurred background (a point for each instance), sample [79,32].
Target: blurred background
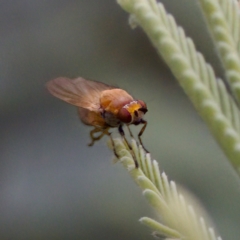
[52,185]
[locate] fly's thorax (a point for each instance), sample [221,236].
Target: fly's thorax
[133,112]
[113,100]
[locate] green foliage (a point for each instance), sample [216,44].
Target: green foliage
[217,107]
[224,23]
[181,214]
[208,94]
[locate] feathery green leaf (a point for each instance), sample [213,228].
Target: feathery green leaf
[208,94]
[181,215]
[223,20]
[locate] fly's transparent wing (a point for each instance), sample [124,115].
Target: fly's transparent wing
[79,91]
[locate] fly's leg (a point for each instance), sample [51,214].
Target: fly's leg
[120,129]
[113,145]
[93,138]
[130,132]
[141,132]
[103,132]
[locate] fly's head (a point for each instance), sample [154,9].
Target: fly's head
[133,112]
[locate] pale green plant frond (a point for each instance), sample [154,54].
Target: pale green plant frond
[230,10]
[204,71]
[223,20]
[181,215]
[160,229]
[208,94]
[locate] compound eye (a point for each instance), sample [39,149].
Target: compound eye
[124,115]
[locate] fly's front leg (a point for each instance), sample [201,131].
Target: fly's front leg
[141,132]
[120,129]
[130,132]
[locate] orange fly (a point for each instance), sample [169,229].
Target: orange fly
[100,105]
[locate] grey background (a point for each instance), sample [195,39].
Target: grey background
[52,186]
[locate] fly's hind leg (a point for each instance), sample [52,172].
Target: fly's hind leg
[93,138]
[120,129]
[140,134]
[103,132]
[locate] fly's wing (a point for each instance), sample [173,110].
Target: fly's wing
[79,91]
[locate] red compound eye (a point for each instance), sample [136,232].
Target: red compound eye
[124,115]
